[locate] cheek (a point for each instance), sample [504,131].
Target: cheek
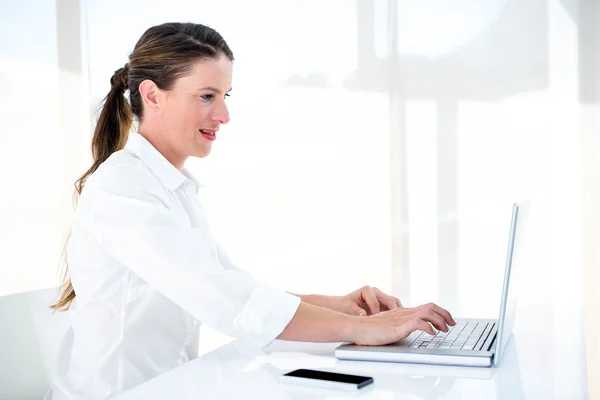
[185,116]
[177,117]
[195,114]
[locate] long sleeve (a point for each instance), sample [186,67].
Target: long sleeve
[136,224]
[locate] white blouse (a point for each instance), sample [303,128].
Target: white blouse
[147,271]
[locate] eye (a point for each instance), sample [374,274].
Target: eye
[227,95]
[207,97]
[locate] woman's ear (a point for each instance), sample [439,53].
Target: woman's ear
[149,93]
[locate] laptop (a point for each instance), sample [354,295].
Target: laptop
[471,342]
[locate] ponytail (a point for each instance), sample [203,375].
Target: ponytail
[110,135]
[114,123]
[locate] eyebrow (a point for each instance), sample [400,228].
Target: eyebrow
[213,89]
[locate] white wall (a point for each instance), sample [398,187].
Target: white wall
[371,142]
[377,142]
[43,144]
[298,185]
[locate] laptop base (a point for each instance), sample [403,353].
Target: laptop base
[401,352]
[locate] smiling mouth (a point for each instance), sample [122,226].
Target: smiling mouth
[208,134]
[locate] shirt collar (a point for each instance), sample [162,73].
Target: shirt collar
[166,172]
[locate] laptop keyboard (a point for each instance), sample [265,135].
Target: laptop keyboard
[465,335]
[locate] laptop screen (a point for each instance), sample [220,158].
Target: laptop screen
[508,305]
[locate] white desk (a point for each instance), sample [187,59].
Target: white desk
[541,362]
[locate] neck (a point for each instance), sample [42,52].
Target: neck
[158,142]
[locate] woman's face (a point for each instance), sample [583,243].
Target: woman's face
[194,109]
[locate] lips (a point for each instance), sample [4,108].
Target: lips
[209,134]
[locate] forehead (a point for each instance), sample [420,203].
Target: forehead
[209,72]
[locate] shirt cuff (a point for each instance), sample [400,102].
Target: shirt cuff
[266,314]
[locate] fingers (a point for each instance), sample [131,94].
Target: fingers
[404,321]
[388,301]
[414,324]
[434,318]
[440,311]
[376,299]
[398,302]
[353,309]
[369,297]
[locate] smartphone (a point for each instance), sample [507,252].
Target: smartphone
[326,380]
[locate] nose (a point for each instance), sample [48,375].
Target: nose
[221,114]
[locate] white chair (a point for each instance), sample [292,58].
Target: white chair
[30,334]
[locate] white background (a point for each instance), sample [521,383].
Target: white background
[371,142]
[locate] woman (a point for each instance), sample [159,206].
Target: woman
[144,268]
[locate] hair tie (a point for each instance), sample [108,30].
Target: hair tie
[119,80]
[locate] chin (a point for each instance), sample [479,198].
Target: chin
[201,153]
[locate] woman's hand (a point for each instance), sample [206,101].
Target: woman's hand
[316,323]
[367,300]
[393,325]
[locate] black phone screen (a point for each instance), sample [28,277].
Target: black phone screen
[331,376]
